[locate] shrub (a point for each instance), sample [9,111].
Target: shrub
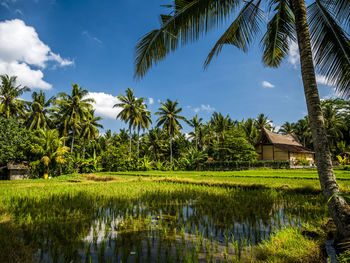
[303,162]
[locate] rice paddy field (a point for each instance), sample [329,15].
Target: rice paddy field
[154,216]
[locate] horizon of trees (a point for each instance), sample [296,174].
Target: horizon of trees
[61,134]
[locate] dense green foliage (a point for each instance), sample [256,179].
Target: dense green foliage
[15,141]
[69,120]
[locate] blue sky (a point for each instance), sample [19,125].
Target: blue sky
[52,43]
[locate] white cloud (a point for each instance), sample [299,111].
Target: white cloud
[25,75]
[150,101]
[320,79]
[294,56]
[21,48]
[104,104]
[87,34]
[203,107]
[267,84]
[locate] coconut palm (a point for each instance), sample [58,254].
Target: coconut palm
[169,119]
[131,111]
[73,109]
[250,130]
[143,122]
[221,125]
[39,109]
[89,128]
[286,128]
[50,147]
[320,34]
[10,104]
[155,142]
[302,130]
[263,122]
[196,124]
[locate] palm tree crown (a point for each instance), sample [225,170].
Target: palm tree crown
[39,109]
[10,104]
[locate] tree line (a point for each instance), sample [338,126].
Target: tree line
[62,134]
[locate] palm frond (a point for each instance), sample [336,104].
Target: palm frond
[331,48]
[280,30]
[187,22]
[241,32]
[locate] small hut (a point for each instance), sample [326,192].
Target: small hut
[17,171]
[280,147]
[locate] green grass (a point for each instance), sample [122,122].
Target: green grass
[66,205]
[270,178]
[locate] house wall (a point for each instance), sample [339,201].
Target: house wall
[270,152]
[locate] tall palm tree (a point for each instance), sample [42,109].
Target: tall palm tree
[263,122]
[10,104]
[320,35]
[144,121]
[195,123]
[221,125]
[169,119]
[39,109]
[73,109]
[131,111]
[89,128]
[49,145]
[250,130]
[286,128]
[302,130]
[154,142]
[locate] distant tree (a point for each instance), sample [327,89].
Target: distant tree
[262,121]
[286,128]
[195,123]
[15,141]
[39,110]
[250,130]
[49,146]
[131,111]
[73,109]
[170,120]
[89,128]
[10,104]
[143,122]
[154,142]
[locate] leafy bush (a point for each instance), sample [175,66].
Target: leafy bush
[303,162]
[15,142]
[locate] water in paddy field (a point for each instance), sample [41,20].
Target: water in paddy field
[162,228]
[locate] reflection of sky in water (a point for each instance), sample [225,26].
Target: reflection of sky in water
[143,229]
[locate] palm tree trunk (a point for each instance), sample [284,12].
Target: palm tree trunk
[130,143]
[338,208]
[171,150]
[138,144]
[71,148]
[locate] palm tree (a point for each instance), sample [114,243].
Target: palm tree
[286,128]
[73,109]
[195,123]
[144,121]
[302,130]
[154,142]
[321,35]
[131,111]
[10,104]
[37,117]
[221,125]
[169,119]
[250,130]
[263,122]
[89,128]
[50,147]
